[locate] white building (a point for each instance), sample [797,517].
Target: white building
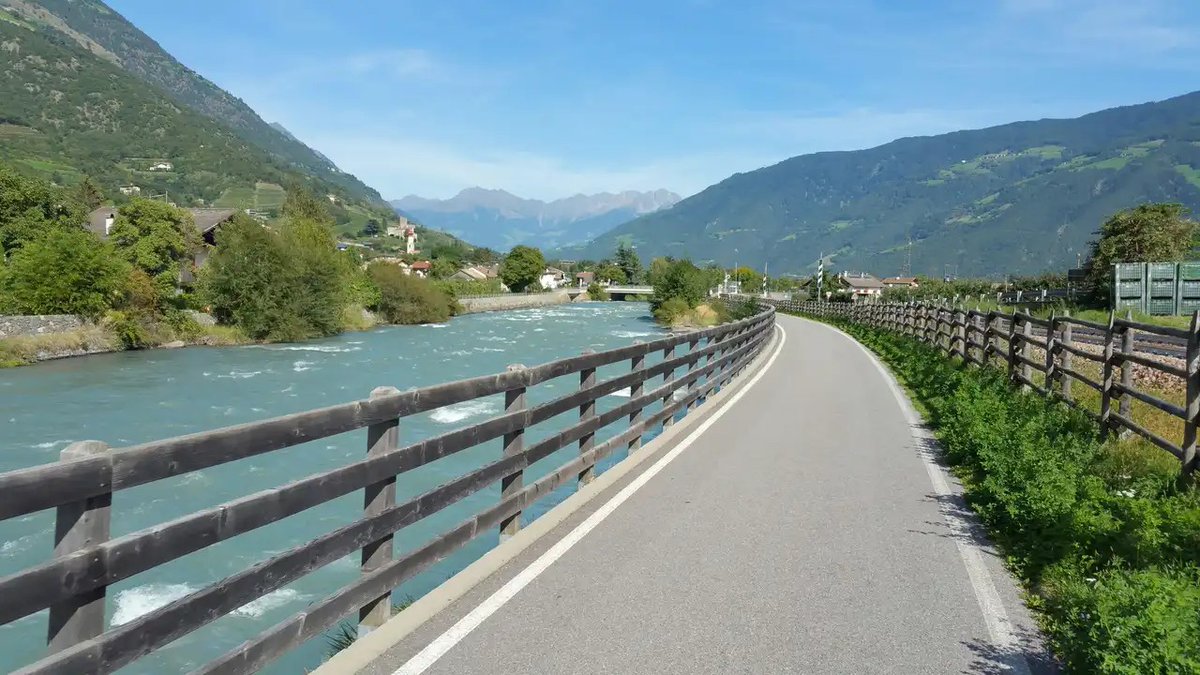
[552,278]
[862,286]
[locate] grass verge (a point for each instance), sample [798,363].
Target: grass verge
[1104,536]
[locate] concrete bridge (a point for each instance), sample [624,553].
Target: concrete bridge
[622,291]
[790,516]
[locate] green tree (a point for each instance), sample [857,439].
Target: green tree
[302,204]
[156,238]
[372,228]
[750,280]
[611,273]
[630,264]
[408,299]
[522,267]
[88,194]
[319,291]
[659,267]
[63,271]
[680,281]
[29,206]
[442,268]
[246,282]
[1145,233]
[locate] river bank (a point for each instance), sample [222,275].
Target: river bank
[498,303]
[26,340]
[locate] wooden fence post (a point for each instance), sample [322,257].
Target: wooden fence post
[79,525]
[960,332]
[587,379]
[1051,349]
[1126,368]
[515,400]
[636,364]
[1106,388]
[692,362]
[1026,370]
[668,354]
[991,338]
[1065,379]
[1192,405]
[1013,339]
[382,438]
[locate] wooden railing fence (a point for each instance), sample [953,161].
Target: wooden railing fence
[85,561]
[1006,340]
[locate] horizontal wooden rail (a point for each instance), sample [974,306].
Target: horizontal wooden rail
[1008,338]
[1151,363]
[90,565]
[27,490]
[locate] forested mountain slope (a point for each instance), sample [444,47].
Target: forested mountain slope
[1013,199]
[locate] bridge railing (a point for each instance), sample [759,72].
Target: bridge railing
[1008,340]
[72,583]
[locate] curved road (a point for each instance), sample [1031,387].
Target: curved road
[805,531]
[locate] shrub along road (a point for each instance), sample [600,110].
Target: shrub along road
[800,533]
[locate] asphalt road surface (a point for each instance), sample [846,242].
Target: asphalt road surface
[807,530]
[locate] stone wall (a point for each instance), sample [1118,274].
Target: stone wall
[11,326]
[495,303]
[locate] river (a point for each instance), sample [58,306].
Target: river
[132,397]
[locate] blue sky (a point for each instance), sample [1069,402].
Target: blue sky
[547,99]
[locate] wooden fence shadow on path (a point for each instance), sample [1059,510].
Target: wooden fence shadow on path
[989,659]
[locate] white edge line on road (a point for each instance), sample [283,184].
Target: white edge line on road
[446,641]
[994,615]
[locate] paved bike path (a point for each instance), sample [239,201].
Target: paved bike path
[800,532]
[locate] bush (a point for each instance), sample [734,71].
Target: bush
[1115,570]
[671,311]
[408,299]
[63,271]
[596,292]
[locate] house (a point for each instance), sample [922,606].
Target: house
[585,279]
[900,282]
[130,190]
[469,274]
[552,278]
[421,268]
[862,286]
[162,166]
[207,222]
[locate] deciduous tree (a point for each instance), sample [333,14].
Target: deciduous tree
[156,238]
[522,267]
[1145,233]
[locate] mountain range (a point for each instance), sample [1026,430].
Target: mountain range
[1014,199]
[501,220]
[84,92]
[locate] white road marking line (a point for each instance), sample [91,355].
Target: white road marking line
[446,641]
[994,615]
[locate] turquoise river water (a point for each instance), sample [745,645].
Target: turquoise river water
[133,397]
